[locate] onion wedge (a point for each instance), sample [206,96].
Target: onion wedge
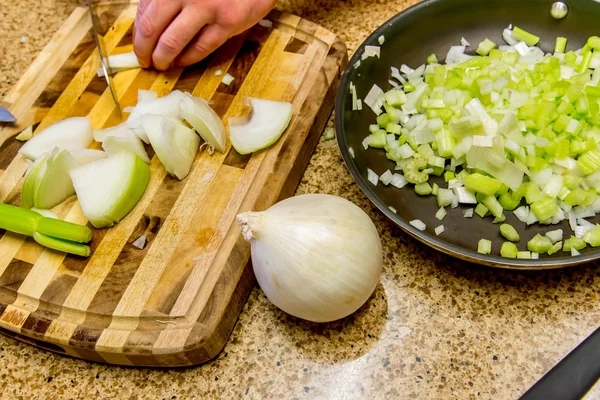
[86,156]
[48,183]
[175,144]
[167,106]
[68,134]
[117,131]
[129,142]
[267,122]
[120,62]
[109,189]
[204,120]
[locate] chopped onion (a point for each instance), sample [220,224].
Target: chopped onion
[167,106]
[463,42]
[386,177]
[265,23]
[268,121]
[375,99]
[468,213]
[439,230]
[120,62]
[399,181]
[574,252]
[140,242]
[351,151]
[68,134]
[86,156]
[464,195]
[417,223]
[128,143]
[206,122]
[121,130]
[25,135]
[175,144]
[441,213]
[371,51]
[381,40]
[372,177]
[227,79]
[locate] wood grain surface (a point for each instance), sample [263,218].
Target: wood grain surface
[173,303]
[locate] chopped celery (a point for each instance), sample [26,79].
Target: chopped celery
[423,189]
[484,246]
[493,206]
[444,197]
[524,36]
[432,59]
[555,248]
[592,237]
[574,243]
[481,210]
[510,200]
[412,169]
[544,208]
[594,42]
[378,139]
[561,45]
[589,162]
[524,255]
[448,176]
[482,184]
[395,98]
[485,47]
[393,128]
[383,120]
[539,244]
[509,250]
[509,232]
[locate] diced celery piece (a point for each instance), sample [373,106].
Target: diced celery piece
[383,120]
[561,45]
[594,42]
[509,250]
[423,189]
[524,36]
[555,248]
[532,193]
[576,197]
[393,128]
[373,128]
[378,139]
[592,237]
[574,243]
[509,232]
[484,246]
[485,47]
[510,200]
[448,176]
[432,59]
[493,206]
[539,244]
[481,210]
[482,184]
[524,255]
[545,208]
[589,162]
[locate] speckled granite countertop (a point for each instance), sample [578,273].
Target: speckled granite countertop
[436,327]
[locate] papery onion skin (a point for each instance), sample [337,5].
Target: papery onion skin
[317,257]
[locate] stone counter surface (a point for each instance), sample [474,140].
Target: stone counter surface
[435,328]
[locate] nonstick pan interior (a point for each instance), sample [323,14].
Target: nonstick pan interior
[410,37]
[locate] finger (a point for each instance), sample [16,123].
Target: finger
[207,41]
[177,36]
[149,24]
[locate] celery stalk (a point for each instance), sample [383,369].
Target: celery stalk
[539,244]
[524,36]
[61,245]
[574,243]
[482,184]
[509,232]
[561,45]
[509,250]
[18,220]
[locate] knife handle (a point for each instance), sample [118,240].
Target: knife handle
[573,376]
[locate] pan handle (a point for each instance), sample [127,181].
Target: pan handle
[573,376]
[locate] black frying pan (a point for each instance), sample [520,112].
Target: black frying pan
[432,27]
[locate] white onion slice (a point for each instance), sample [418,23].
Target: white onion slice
[227,79]
[117,131]
[268,120]
[121,62]
[127,143]
[417,223]
[68,134]
[86,156]
[175,144]
[167,106]
[204,120]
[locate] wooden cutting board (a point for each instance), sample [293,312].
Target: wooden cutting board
[175,302]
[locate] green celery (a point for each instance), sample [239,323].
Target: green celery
[524,255]
[383,120]
[481,210]
[423,189]
[482,184]
[509,250]
[576,197]
[485,47]
[592,237]
[594,42]
[555,248]
[574,243]
[570,58]
[448,176]
[60,245]
[585,63]
[510,200]
[532,193]
[561,45]
[484,246]
[434,189]
[395,98]
[589,162]
[18,220]
[445,143]
[493,206]
[539,244]
[412,170]
[378,139]
[545,208]
[64,230]
[393,128]
[432,59]
[509,232]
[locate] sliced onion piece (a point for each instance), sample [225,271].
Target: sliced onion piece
[109,189]
[204,120]
[167,106]
[116,131]
[175,144]
[268,120]
[120,62]
[68,134]
[25,135]
[48,182]
[86,156]
[128,143]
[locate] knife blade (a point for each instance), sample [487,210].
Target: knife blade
[103,56]
[6,116]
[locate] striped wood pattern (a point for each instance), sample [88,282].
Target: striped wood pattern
[175,302]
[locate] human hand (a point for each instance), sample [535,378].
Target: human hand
[186,31]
